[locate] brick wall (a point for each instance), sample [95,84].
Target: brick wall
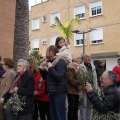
[7,18]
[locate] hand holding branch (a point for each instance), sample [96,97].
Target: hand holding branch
[88,87]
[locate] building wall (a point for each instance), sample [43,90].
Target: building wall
[110,62]
[45,29]
[7,17]
[109,20]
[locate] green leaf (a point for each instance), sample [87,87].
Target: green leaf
[38,57]
[66,28]
[15,103]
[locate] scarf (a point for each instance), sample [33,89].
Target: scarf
[16,83]
[57,58]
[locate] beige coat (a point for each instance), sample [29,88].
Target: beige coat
[74,87]
[65,52]
[5,84]
[6,81]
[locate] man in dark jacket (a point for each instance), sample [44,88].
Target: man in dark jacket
[110,101]
[56,84]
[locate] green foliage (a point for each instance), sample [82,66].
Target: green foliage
[84,77]
[67,27]
[38,57]
[15,103]
[108,116]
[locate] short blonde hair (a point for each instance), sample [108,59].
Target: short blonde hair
[100,61]
[75,56]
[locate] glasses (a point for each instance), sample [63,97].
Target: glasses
[101,78]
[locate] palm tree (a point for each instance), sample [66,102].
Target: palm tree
[21,31]
[38,57]
[66,27]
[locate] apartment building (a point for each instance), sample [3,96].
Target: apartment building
[101,15]
[7,18]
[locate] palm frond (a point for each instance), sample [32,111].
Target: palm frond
[59,24]
[67,27]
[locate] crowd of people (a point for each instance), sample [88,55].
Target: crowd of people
[46,87]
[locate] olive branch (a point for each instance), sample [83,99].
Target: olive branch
[15,103]
[84,77]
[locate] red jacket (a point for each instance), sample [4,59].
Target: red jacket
[117,70]
[41,93]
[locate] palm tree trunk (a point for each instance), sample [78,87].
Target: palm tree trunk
[21,32]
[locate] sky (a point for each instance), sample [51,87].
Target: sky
[32,2]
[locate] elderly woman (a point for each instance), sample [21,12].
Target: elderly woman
[74,87]
[7,78]
[24,86]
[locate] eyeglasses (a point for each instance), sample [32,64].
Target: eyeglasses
[101,78]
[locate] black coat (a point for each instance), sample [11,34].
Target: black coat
[99,71]
[26,88]
[110,101]
[56,82]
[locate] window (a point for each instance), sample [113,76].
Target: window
[43,40]
[52,18]
[96,36]
[35,44]
[43,18]
[53,39]
[96,8]
[35,24]
[80,12]
[78,39]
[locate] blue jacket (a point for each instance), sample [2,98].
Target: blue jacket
[56,82]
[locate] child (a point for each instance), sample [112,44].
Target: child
[63,51]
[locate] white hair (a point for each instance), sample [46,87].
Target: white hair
[75,56]
[25,62]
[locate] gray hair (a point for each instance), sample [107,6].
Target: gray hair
[25,62]
[113,76]
[75,56]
